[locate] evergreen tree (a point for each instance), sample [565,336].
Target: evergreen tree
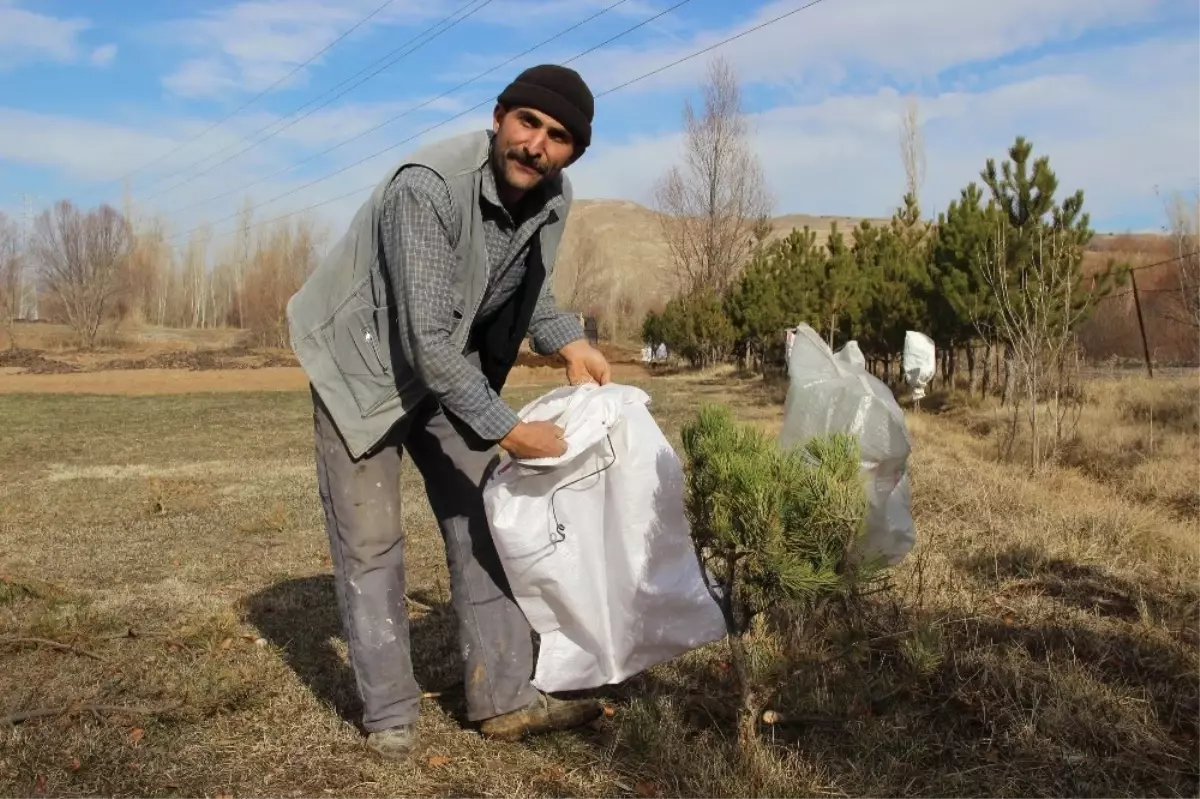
[778,290]
[896,281]
[842,291]
[962,306]
[1036,265]
[775,527]
[652,330]
[695,327]
[1038,228]
[755,308]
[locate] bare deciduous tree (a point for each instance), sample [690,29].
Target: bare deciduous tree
[1036,320]
[715,202]
[1183,215]
[580,278]
[912,148]
[285,256]
[81,258]
[11,266]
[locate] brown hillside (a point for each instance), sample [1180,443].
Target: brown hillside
[632,259]
[621,243]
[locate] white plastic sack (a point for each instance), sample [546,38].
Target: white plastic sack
[852,355]
[919,362]
[829,394]
[596,545]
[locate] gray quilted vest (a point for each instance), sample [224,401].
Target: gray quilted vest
[341,324]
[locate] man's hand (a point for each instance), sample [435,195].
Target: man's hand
[534,440]
[585,364]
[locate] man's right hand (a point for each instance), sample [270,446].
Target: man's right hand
[534,440]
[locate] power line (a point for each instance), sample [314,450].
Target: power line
[261,94]
[712,47]
[445,122]
[1162,263]
[405,113]
[324,104]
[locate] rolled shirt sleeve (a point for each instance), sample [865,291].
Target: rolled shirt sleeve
[416,218]
[550,328]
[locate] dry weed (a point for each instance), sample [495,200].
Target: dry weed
[1040,640]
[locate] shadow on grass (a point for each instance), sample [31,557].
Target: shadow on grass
[1028,571]
[932,705]
[941,704]
[300,617]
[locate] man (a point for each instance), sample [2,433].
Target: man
[407,331]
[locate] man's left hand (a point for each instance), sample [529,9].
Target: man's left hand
[585,364]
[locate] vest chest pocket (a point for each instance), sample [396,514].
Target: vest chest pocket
[359,338]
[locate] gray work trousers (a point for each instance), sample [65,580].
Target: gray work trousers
[361,499]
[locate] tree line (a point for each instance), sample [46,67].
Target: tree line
[97,268]
[999,271]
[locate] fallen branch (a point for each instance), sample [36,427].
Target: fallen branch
[26,715]
[54,645]
[132,634]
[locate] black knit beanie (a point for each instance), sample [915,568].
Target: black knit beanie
[559,92]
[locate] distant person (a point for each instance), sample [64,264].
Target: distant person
[407,331]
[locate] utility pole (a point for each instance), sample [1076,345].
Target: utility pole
[1137,304]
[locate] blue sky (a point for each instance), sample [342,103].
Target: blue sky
[92,92]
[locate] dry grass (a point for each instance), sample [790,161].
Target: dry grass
[1033,644]
[1138,437]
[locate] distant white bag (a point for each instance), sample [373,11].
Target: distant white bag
[828,393]
[919,362]
[596,545]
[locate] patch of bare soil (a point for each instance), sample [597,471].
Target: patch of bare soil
[33,362]
[204,360]
[136,381]
[156,381]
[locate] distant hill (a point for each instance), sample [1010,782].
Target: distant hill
[632,255]
[630,269]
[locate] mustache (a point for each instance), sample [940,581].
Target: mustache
[526,159]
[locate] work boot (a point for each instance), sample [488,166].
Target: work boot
[395,743]
[543,714]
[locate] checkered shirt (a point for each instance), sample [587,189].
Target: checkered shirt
[416,221]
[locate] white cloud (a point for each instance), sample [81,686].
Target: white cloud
[886,39]
[200,77]
[525,14]
[1115,121]
[103,56]
[27,37]
[87,152]
[249,45]
[1113,131]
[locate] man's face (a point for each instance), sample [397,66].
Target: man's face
[529,147]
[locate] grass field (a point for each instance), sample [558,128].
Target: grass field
[165,595]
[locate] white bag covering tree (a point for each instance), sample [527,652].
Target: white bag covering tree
[919,362]
[776,529]
[595,542]
[827,394]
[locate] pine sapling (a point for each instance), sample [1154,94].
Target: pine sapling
[775,528]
